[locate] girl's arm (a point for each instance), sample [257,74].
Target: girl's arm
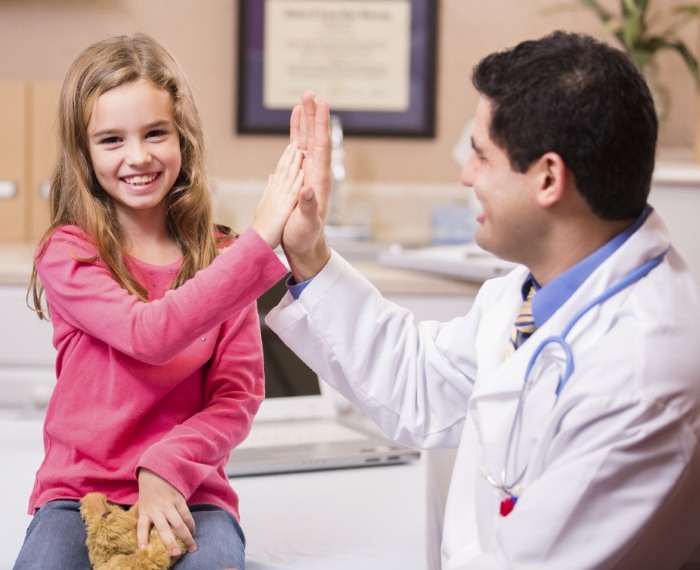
[233,391]
[87,297]
[172,469]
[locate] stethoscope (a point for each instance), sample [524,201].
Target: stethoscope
[513,490]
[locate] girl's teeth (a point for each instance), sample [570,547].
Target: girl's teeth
[141,179]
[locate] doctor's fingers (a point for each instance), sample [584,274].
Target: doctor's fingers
[310,127]
[303,236]
[295,124]
[308,117]
[302,119]
[319,174]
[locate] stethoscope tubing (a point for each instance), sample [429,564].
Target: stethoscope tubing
[560,340]
[622,284]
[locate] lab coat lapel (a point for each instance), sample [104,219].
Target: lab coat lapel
[503,378]
[499,384]
[493,405]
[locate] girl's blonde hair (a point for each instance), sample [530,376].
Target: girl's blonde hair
[76,197]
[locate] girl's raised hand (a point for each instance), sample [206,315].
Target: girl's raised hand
[280,196]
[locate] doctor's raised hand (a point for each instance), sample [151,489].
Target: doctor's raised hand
[303,240]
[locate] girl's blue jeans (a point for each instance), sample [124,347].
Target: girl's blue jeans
[55,540]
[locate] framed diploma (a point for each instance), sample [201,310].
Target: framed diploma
[372,60]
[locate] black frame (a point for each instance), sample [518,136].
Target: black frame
[417,121]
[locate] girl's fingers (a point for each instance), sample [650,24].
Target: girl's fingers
[143,529]
[301,121]
[306,138]
[288,166]
[286,159]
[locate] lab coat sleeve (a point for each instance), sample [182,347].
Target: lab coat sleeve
[413,379]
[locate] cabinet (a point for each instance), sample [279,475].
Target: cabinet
[27,151]
[27,356]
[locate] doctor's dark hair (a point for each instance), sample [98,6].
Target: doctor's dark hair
[583,99]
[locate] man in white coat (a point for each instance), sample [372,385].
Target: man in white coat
[589,460]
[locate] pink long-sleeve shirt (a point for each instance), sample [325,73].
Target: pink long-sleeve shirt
[171,385]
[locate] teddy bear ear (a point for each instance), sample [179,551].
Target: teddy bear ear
[93,505]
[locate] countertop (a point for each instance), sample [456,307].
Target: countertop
[15,262]
[16,268]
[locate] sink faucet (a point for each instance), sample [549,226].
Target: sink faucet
[337,168]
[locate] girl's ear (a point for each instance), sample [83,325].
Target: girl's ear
[552,179]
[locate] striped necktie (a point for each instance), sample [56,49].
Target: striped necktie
[524,324]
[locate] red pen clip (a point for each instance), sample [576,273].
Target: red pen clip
[507,505]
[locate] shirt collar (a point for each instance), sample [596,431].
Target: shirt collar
[553,295]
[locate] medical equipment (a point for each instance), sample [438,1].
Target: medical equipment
[514,489]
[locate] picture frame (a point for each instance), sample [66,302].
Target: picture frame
[374,61]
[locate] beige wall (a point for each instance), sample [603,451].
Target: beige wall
[39,39]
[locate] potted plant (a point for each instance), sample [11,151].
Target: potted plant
[644,33]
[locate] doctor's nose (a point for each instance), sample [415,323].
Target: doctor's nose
[467,175]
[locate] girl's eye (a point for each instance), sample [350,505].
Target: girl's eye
[156,134]
[110,140]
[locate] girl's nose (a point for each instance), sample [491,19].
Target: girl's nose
[137,153]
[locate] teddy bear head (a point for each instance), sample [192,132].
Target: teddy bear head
[111,538]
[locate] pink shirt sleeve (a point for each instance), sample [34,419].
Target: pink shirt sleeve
[234,388]
[88,298]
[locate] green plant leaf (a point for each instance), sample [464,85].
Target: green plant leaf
[690,60]
[603,14]
[636,28]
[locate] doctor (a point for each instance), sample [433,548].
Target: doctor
[579,448]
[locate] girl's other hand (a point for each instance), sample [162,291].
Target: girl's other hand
[161,505]
[280,196]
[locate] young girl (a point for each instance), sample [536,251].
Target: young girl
[159,358]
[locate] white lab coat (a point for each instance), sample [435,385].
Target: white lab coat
[612,474]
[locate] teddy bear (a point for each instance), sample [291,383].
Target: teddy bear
[111,540]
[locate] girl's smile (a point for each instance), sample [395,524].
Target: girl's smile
[140,183]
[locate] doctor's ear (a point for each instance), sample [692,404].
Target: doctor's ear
[552,178]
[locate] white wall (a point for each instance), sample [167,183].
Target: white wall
[676,196]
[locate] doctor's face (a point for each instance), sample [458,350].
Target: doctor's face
[508,225]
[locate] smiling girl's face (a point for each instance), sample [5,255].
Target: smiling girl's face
[134,146]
